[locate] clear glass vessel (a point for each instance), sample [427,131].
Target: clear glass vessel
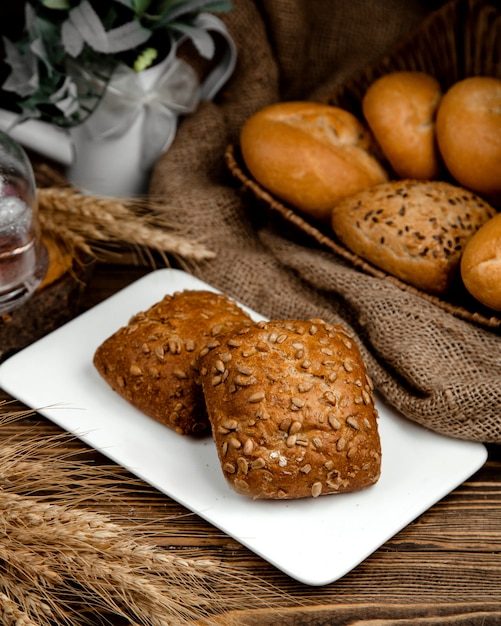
[23,257]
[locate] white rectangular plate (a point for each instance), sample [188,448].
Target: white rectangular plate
[315,541]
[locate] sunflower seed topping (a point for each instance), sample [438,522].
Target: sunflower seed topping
[229,468]
[258,463]
[316,489]
[256,397]
[135,370]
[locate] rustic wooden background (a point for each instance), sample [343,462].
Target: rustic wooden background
[444,568]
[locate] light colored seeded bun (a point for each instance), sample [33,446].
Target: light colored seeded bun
[400,109]
[292,410]
[309,155]
[481,264]
[414,230]
[152,362]
[469,134]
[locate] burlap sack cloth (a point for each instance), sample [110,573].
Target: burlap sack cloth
[438,371]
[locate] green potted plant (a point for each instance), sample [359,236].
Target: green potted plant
[82,64]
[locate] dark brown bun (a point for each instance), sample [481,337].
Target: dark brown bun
[152,362]
[481,264]
[400,109]
[309,155]
[469,134]
[292,410]
[414,230]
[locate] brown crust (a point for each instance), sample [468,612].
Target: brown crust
[292,410]
[309,154]
[414,230]
[400,109]
[469,134]
[481,264]
[153,361]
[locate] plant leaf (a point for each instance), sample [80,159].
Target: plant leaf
[23,78]
[66,98]
[125,37]
[139,7]
[86,21]
[56,4]
[189,6]
[72,40]
[201,39]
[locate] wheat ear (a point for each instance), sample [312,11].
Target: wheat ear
[87,222]
[63,565]
[67,557]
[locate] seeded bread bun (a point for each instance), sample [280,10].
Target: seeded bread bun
[481,264]
[292,410]
[309,155]
[414,230]
[469,134]
[152,362]
[400,109]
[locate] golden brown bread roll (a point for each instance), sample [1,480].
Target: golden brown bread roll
[481,264]
[292,410]
[400,109]
[152,362]
[469,134]
[414,230]
[309,155]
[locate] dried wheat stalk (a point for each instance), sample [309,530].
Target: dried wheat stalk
[90,224]
[62,564]
[49,548]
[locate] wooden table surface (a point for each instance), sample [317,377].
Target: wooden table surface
[444,568]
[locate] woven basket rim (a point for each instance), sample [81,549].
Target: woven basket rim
[236,167]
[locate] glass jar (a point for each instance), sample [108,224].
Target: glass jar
[23,257]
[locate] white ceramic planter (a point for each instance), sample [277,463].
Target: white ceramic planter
[115,150]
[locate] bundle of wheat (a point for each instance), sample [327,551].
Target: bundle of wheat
[93,225]
[62,563]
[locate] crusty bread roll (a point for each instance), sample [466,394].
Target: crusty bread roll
[469,134]
[152,362]
[292,410]
[309,155]
[414,230]
[400,109]
[481,264]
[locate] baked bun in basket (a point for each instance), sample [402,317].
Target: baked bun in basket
[292,410]
[310,155]
[414,230]
[152,362]
[400,109]
[481,264]
[469,134]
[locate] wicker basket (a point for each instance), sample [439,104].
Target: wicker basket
[461,39]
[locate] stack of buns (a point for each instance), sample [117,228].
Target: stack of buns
[441,148]
[153,361]
[288,402]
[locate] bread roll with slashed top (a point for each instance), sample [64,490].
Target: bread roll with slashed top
[400,109]
[310,155]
